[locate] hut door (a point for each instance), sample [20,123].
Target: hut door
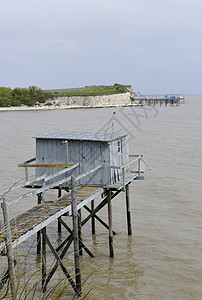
[117,159]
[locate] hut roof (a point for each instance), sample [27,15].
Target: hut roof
[79,135]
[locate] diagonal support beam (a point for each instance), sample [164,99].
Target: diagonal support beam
[82,244]
[57,257]
[51,273]
[99,207]
[98,218]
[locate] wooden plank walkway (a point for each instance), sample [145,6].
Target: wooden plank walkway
[38,217]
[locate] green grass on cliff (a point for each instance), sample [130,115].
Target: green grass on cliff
[92,90]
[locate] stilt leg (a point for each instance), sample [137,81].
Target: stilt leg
[39,233]
[128,210]
[79,233]
[93,218]
[59,223]
[11,270]
[111,249]
[43,258]
[76,239]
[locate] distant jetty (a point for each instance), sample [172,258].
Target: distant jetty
[160,100]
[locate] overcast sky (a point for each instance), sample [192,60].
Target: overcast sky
[154,45]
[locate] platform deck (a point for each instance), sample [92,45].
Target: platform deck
[33,220]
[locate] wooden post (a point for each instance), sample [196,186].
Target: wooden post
[128,210]
[9,249]
[76,239]
[79,233]
[111,249]
[59,223]
[39,233]
[43,258]
[93,218]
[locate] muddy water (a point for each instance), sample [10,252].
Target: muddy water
[163,257]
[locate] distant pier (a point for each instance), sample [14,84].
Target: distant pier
[172,100]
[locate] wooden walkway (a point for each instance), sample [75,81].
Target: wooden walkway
[38,217]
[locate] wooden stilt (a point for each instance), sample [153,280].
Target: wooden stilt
[51,273]
[79,232]
[111,249]
[59,261]
[82,244]
[9,249]
[43,258]
[59,223]
[39,233]
[76,239]
[98,218]
[128,210]
[93,217]
[99,207]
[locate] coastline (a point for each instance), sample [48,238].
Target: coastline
[61,107]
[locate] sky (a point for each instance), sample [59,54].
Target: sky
[153,45]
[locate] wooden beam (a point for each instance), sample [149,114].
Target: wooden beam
[79,232]
[39,232]
[98,218]
[9,249]
[46,165]
[111,249]
[59,223]
[68,241]
[43,258]
[76,237]
[100,206]
[128,210]
[61,263]
[93,217]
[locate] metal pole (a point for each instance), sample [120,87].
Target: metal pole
[128,210]
[9,248]
[76,239]
[111,249]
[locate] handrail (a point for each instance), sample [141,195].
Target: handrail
[139,157]
[54,184]
[27,161]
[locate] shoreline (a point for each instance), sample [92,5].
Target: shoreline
[62,107]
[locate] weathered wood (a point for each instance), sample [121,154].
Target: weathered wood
[61,264]
[82,244]
[59,223]
[43,258]
[76,238]
[9,249]
[68,241]
[79,232]
[93,217]
[111,249]
[46,165]
[128,210]
[39,232]
[99,207]
[98,218]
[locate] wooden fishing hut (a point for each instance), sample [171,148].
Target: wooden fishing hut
[86,148]
[86,166]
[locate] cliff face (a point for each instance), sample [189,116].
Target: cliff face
[93,101]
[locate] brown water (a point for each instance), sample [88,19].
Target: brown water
[163,258]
